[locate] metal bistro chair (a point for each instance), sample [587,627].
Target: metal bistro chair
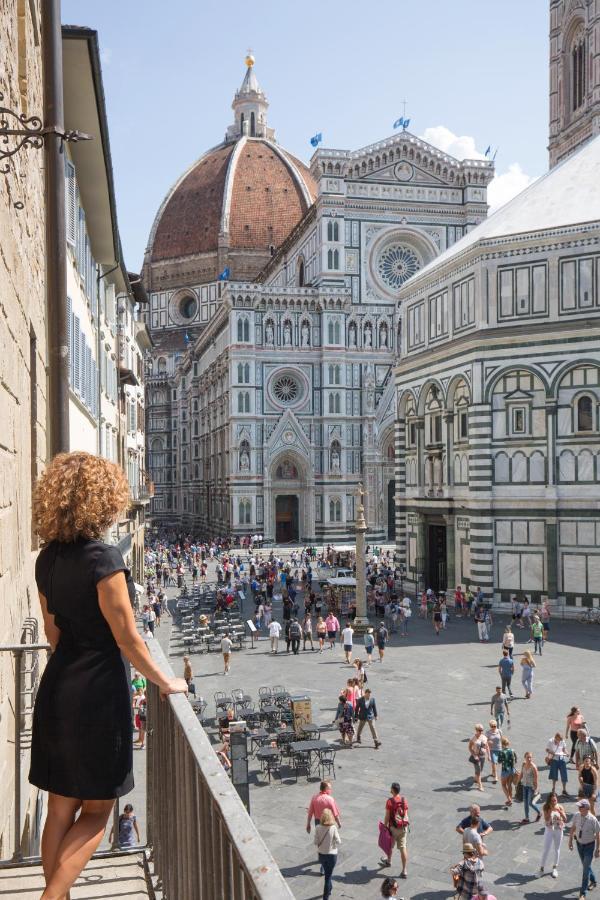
[326,763]
[199,707]
[222,701]
[265,697]
[283,742]
[301,763]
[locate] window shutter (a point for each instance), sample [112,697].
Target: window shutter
[76,355]
[71,203]
[70,331]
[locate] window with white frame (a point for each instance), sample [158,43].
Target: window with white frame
[245,511]
[333,259]
[464,303]
[518,420]
[333,231]
[415,325]
[243,329]
[585,413]
[334,375]
[438,315]
[522,291]
[335,510]
[334,403]
[579,284]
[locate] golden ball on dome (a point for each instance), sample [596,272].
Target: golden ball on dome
[250,60]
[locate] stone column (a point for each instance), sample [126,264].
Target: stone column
[361,622]
[451,580]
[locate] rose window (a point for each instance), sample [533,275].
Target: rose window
[286,389]
[396,264]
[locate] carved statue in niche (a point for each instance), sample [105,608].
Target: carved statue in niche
[368,336]
[383,336]
[335,460]
[352,335]
[269,334]
[244,460]
[369,385]
[287,334]
[305,334]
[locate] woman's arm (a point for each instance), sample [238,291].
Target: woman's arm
[115,606]
[50,627]
[535,777]
[137,830]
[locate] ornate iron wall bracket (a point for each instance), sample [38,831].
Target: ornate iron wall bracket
[26,131]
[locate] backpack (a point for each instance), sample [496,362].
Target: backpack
[295,631]
[398,816]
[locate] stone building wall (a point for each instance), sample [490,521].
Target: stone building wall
[22,361]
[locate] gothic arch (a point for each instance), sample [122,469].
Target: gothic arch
[431,383]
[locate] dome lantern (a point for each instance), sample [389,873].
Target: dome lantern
[250,107]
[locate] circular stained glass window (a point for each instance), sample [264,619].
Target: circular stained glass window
[396,264]
[286,389]
[188,307]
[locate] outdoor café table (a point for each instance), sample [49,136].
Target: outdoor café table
[310,729]
[311,747]
[272,714]
[260,734]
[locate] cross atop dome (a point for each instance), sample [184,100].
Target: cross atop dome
[250,107]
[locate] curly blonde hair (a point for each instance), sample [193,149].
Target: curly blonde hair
[78,496]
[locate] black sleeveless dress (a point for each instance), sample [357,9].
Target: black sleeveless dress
[82,730]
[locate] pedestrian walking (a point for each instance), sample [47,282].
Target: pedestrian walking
[347,635]
[390,888]
[537,633]
[585,746]
[555,819]
[327,840]
[506,668]
[585,830]
[295,635]
[274,633]
[481,629]
[437,617]
[528,777]
[382,638]
[499,706]
[494,739]
[128,829]
[369,642]
[320,802]
[397,821]
[478,752]
[321,632]
[226,647]
[333,626]
[467,875]
[366,713]
[345,718]
[575,721]
[307,632]
[508,769]
[508,640]
[545,619]
[527,670]
[588,782]
[556,758]
[483,827]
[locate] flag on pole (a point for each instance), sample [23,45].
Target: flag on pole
[488,151]
[186,338]
[316,139]
[402,123]
[224,274]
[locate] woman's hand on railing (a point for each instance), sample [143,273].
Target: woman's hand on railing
[174,686]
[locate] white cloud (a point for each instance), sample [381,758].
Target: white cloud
[506,184]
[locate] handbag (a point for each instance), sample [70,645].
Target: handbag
[519,792]
[385,839]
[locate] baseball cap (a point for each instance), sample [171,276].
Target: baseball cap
[584,802]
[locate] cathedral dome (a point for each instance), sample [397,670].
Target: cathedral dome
[238,202]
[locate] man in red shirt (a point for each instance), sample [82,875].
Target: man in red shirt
[396,819]
[322,800]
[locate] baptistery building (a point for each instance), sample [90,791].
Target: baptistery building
[273,309]
[498,377]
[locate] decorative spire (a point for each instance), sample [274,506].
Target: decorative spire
[250,107]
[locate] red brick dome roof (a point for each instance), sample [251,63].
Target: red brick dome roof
[249,192]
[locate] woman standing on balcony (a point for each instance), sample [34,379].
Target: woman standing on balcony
[82,742]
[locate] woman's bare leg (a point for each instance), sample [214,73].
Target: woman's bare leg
[61,816]
[77,847]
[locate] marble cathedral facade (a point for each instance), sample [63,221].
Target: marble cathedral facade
[284,400]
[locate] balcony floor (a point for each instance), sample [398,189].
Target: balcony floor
[103,879]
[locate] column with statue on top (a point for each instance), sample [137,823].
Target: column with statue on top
[361,622]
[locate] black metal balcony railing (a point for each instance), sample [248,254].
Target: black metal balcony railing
[203,843]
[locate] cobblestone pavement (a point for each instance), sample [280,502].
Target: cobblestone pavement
[430,692]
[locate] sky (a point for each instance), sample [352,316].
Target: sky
[473,75]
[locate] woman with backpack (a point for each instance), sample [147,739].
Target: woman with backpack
[508,769]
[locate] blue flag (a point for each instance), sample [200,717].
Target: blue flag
[489,150]
[406,123]
[186,338]
[398,123]
[316,139]
[224,274]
